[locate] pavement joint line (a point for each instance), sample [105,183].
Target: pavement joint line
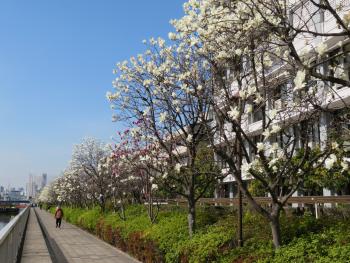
[55,252]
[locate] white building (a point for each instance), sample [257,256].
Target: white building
[322,22]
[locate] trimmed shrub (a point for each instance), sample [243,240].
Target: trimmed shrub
[305,238]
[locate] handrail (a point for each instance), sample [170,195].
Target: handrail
[342,199]
[11,237]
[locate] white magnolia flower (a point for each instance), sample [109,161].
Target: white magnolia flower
[275,129]
[147,82]
[189,138]
[238,52]
[335,145]
[266,134]
[299,81]
[273,162]
[163,116]
[135,131]
[260,147]
[344,165]
[274,146]
[250,108]
[109,95]
[280,154]
[245,168]
[243,94]
[161,42]
[233,113]
[178,167]
[330,161]
[321,49]
[258,99]
[273,113]
[172,36]
[346,19]
[146,111]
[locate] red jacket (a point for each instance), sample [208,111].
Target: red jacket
[59,213]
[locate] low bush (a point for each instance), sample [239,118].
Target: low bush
[306,239]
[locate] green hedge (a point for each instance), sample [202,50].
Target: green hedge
[307,239]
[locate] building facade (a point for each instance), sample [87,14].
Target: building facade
[335,119]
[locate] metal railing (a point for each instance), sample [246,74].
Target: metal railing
[342,199]
[11,237]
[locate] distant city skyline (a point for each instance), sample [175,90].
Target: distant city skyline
[55,69]
[35,184]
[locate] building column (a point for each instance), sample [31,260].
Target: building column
[231,194]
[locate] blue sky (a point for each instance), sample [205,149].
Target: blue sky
[56,61]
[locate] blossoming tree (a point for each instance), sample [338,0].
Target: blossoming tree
[159,88]
[89,162]
[268,93]
[132,170]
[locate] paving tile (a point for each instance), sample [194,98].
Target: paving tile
[34,247]
[79,246]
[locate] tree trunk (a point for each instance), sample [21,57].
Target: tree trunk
[150,209]
[123,217]
[151,214]
[103,207]
[240,219]
[191,217]
[276,230]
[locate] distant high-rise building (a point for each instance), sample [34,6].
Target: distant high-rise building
[15,195]
[31,187]
[2,192]
[44,180]
[35,184]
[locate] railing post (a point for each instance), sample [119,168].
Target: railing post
[317,211]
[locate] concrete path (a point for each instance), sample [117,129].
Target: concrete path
[34,247]
[77,245]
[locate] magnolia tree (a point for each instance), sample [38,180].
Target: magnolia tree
[89,165]
[46,195]
[268,93]
[136,164]
[161,89]
[68,188]
[85,181]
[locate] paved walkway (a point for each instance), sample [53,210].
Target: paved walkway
[34,247]
[79,246]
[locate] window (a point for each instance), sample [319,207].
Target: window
[318,18]
[279,97]
[278,138]
[339,63]
[309,132]
[257,114]
[307,15]
[220,162]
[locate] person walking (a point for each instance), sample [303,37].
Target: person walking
[58,216]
